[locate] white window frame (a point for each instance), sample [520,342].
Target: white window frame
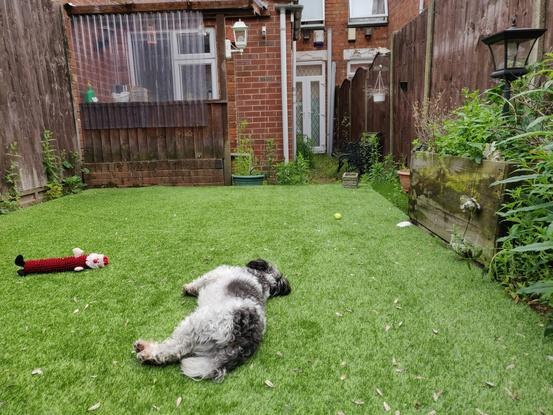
[373,19]
[350,72]
[314,22]
[179,59]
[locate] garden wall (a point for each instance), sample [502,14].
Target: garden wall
[34,89]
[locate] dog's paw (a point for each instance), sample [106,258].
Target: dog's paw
[190,290]
[139,345]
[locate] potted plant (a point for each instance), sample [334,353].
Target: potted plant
[244,165]
[404,174]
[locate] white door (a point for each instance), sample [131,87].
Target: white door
[310,103]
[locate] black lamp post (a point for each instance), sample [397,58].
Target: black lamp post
[510,51]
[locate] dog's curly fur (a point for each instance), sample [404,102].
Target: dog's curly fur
[226,327]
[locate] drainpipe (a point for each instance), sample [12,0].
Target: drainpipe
[282,8]
[294,114]
[329,86]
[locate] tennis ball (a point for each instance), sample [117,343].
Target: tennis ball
[337,216]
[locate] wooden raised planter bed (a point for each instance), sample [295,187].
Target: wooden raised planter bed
[437,184]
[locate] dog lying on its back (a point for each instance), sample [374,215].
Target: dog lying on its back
[226,327]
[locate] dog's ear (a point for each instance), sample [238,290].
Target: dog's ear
[258,264]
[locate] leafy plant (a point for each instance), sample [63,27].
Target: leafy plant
[472,127]
[294,172]
[50,159]
[544,290]
[270,157]
[245,162]
[10,201]
[428,119]
[304,146]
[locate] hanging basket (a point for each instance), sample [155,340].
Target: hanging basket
[379,97]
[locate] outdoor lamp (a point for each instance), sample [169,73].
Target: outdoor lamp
[240,34]
[240,31]
[510,51]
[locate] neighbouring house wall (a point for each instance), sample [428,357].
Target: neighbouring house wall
[402,12]
[336,18]
[34,88]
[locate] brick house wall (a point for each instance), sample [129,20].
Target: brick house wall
[253,80]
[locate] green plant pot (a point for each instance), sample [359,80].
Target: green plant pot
[255,180]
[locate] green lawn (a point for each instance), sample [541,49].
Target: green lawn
[373,306]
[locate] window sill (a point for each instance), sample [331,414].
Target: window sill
[379,21]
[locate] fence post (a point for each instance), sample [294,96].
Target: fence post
[428,55]
[538,20]
[391,92]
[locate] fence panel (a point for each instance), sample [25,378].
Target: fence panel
[34,87]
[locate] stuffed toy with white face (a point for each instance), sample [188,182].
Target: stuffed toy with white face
[78,262]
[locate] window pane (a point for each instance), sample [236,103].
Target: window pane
[315,113]
[152,68]
[196,81]
[366,8]
[299,108]
[309,70]
[312,10]
[193,43]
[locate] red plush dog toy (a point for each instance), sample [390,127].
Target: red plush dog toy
[77,262]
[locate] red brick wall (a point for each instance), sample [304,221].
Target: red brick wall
[402,12]
[253,85]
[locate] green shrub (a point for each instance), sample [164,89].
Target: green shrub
[244,163]
[55,190]
[304,146]
[473,126]
[295,172]
[9,201]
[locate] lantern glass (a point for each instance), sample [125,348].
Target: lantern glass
[518,52]
[240,34]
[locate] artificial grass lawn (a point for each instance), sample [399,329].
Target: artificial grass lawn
[366,295]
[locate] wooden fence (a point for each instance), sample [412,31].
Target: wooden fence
[145,146]
[34,89]
[439,53]
[357,112]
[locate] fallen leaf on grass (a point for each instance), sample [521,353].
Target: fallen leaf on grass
[511,394]
[435,331]
[550,358]
[436,395]
[489,384]
[432,412]
[386,407]
[343,364]
[394,361]
[480,412]
[396,301]
[387,327]
[343,376]
[379,392]
[399,324]
[510,367]
[419,377]
[178,402]
[37,371]
[279,354]
[155,407]
[340,413]
[349,310]
[85,306]
[94,407]
[76,311]
[400,370]
[358,402]
[269,383]
[397,413]
[338,314]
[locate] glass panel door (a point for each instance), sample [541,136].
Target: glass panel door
[310,103]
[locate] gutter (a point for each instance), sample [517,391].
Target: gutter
[296,9]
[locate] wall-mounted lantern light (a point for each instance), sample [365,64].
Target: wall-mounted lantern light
[510,51]
[240,31]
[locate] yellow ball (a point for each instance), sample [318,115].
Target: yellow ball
[337,216]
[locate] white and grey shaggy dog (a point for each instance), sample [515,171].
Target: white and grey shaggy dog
[226,327]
